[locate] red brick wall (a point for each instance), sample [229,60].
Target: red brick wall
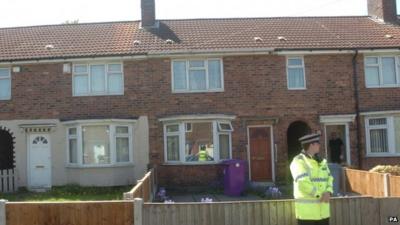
[255,91]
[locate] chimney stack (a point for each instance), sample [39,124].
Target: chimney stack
[148,14]
[384,10]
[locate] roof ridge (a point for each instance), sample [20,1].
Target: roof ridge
[70,24]
[188,19]
[278,17]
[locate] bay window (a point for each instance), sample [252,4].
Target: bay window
[185,140]
[382,71]
[98,79]
[99,144]
[197,75]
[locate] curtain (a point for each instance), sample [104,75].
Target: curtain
[179,69]
[379,140]
[296,78]
[389,70]
[214,74]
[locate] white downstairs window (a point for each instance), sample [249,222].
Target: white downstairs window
[98,79]
[383,135]
[197,75]
[184,140]
[99,144]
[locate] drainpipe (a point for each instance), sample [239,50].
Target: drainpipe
[357,107]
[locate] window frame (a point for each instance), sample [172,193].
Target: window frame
[9,82]
[112,140]
[182,141]
[187,64]
[390,134]
[380,70]
[106,79]
[296,67]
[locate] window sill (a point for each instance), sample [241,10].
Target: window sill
[71,166]
[297,89]
[99,95]
[378,87]
[382,155]
[197,92]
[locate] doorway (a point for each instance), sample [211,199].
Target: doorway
[337,145]
[39,167]
[295,131]
[260,154]
[6,150]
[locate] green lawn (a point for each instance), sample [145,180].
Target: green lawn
[69,193]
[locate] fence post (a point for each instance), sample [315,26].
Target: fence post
[344,180]
[386,186]
[3,212]
[137,212]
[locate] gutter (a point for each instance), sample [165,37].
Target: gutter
[357,107]
[199,53]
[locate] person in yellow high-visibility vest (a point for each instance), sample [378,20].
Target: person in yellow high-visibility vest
[203,153]
[312,183]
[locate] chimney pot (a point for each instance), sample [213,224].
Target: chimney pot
[384,10]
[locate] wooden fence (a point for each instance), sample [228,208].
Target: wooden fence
[344,211]
[394,186]
[144,188]
[372,183]
[8,181]
[70,213]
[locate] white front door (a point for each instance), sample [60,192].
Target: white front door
[39,168]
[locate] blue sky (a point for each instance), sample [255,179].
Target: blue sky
[39,12]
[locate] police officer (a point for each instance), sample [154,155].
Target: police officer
[312,183]
[203,153]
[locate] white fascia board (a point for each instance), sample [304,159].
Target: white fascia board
[346,118]
[380,113]
[313,52]
[198,117]
[394,50]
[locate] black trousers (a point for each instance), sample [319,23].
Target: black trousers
[313,222]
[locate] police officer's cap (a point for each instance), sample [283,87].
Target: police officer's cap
[309,138]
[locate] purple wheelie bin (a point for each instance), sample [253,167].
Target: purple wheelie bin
[234,177]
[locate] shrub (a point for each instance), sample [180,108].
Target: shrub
[393,170]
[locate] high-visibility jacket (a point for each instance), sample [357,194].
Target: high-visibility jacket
[202,155]
[310,180]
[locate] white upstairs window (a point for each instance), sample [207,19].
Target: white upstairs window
[5,84]
[98,79]
[382,71]
[296,73]
[197,75]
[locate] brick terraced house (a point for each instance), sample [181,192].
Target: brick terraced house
[99,103]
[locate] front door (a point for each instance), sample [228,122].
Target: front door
[39,161]
[260,154]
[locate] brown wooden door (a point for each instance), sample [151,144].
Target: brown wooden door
[260,154]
